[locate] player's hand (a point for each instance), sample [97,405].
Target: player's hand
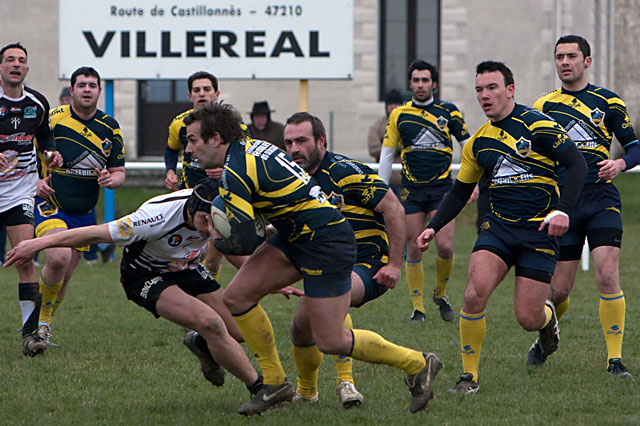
[22,254]
[474,195]
[171,181]
[104,177]
[214,173]
[610,168]
[425,238]
[43,188]
[53,159]
[388,275]
[558,223]
[213,232]
[289,291]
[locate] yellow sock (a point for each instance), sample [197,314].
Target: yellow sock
[307,360]
[612,309]
[415,279]
[257,332]
[473,328]
[443,272]
[371,347]
[548,315]
[57,305]
[344,366]
[49,294]
[562,308]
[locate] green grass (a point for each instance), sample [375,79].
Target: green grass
[118,365]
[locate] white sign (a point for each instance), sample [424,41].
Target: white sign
[245,39]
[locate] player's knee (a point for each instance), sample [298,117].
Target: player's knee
[231,301]
[212,325]
[476,297]
[530,322]
[445,251]
[333,345]
[59,261]
[300,332]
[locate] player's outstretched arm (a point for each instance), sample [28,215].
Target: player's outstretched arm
[78,237]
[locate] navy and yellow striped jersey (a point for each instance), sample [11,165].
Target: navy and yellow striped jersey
[356,190]
[518,157]
[85,145]
[424,133]
[191,173]
[591,117]
[258,176]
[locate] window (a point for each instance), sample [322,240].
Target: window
[159,102]
[409,30]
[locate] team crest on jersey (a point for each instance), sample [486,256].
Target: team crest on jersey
[30,112]
[336,200]
[3,111]
[597,116]
[175,240]
[523,147]
[442,123]
[16,122]
[106,146]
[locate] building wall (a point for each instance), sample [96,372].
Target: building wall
[521,33]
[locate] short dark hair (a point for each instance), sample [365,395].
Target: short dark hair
[15,45]
[85,71]
[217,117]
[316,124]
[202,196]
[583,44]
[421,65]
[202,74]
[490,66]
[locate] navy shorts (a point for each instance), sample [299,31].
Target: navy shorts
[366,269]
[48,217]
[145,289]
[423,198]
[597,216]
[533,252]
[325,262]
[22,214]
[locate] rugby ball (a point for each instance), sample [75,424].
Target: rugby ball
[221,222]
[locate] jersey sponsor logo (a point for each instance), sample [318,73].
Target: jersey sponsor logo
[562,137]
[523,147]
[15,121]
[596,116]
[15,110]
[124,227]
[30,112]
[147,286]
[575,103]
[18,137]
[426,139]
[510,171]
[442,123]
[148,220]
[626,123]
[3,111]
[175,240]
[27,209]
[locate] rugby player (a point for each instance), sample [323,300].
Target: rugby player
[377,218]
[161,272]
[24,116]
[424,127]
[517,150]
[591,115]
[92,150]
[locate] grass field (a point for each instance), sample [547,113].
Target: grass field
[118,365]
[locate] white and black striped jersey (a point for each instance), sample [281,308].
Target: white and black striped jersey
[157,237]
[22,120]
